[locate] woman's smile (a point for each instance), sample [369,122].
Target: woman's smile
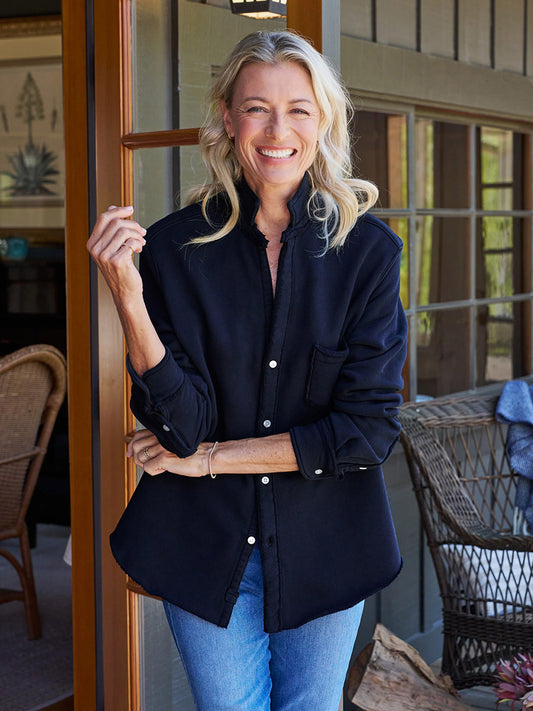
[276,153]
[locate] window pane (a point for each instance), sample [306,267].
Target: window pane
[501,268]
[162,683]
[498,335]
[498,174]
[442,246]
[380,155]
[442,164]
[443,352]
[162,178]
[172,70]
[401,227]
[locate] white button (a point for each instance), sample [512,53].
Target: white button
[251,540]
[362,468]
[166,428]
[273,364]
[318,471]
[265,480]
[267,424]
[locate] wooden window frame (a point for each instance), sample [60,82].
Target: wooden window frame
[473,212]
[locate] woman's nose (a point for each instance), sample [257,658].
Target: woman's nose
[277,125]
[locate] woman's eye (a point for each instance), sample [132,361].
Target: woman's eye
[302,112]
[255,109]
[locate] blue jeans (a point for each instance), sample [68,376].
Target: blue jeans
[243,668]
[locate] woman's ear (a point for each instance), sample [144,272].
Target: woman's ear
[228,123]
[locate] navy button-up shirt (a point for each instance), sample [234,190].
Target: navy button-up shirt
[322,360]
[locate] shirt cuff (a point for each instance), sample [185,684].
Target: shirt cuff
[313,454]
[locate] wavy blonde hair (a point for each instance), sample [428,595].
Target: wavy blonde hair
[337,199]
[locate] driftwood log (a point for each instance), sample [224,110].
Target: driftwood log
[390,674]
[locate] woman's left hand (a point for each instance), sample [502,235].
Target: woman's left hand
[146,451]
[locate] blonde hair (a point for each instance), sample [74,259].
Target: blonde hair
[336,198]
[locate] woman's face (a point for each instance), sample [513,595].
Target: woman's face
[274,119]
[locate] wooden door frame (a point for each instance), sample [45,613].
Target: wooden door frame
[98,140]
[78,351]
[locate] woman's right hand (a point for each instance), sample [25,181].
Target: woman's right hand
[112,243]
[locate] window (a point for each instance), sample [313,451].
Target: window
[459,196]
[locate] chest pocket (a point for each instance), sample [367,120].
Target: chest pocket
[325,367]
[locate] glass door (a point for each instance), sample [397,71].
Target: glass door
[177,47]
[153,65]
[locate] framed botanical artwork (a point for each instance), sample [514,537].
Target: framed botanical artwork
[31,117]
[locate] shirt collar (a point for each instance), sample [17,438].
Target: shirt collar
[249,205]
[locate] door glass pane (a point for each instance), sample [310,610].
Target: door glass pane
[162,680]
[177,47]
[162,179]
[500,342]
[380,154]
[497,169]
[442,175]
[501,264]
[442,247]
[443,352]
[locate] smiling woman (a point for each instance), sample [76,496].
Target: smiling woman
[266,341]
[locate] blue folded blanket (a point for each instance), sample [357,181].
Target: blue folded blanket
[515,407]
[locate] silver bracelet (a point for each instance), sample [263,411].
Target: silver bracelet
[213,476]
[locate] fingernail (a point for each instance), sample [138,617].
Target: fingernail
[143,231]
[129,208]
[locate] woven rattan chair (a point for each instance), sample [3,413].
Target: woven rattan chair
[32,388]
[465,491]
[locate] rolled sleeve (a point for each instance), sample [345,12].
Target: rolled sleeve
[167,402]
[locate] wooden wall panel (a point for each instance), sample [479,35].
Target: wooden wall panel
[475,32]
[396,23]
[306,18]
[437,27]
[356,18]
[509,36]
[529,35]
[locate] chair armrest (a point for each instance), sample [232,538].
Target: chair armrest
[484,537]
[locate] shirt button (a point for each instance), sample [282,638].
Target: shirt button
[318,472]
[273,364]
[166,428]
[251,540]
[267,423]
[265,480]
[362,468]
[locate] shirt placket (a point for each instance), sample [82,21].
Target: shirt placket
[267,424]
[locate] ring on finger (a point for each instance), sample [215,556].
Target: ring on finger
[146,453]
[124,244]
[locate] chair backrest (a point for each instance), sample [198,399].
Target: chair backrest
[459,465]
[32,388]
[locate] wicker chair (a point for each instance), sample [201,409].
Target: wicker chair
[465,491]
[32,388]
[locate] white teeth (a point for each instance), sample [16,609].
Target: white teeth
[271,153]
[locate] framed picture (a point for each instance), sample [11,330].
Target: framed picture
[31,116]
